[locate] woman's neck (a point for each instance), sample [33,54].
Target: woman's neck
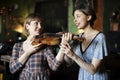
[30,37]
[88,30]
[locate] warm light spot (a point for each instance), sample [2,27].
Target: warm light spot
[80,31]
[10,40]
[19,28]
[8,33]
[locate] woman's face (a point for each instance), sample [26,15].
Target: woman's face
[34,28]
[80,19]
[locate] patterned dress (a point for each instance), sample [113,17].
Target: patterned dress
[36,67]
[96,49]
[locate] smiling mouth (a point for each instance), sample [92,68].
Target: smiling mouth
[37,31]
[77,24]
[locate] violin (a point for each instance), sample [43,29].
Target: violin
[52,39]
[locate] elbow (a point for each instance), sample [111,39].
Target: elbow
[92,71]
[68,61]
[54,68]
[11,70]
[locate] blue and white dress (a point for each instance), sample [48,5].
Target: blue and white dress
[96,49]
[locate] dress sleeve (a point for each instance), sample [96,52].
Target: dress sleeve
[100,47]
[14,65]
[52,62]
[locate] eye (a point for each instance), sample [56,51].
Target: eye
[78,16]
[36,23]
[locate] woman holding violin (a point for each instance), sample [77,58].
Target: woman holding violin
[89,54]
[33,61]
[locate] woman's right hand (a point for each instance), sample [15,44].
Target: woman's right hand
[29,48]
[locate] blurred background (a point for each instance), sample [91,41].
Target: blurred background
[57,15]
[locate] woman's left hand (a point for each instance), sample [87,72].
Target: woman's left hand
[66,37]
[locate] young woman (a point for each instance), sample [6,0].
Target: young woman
[33,62]
[90,53]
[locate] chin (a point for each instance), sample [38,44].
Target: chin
[37,33]
[79,28]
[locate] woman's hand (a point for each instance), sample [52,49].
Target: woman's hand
[65,46]
[29,48]
[66,37]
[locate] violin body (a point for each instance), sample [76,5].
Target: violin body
[52,39]
[47,41]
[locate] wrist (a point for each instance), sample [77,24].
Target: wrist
[61,50]
[27,53]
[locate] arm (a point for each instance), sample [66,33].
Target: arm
[68,61]
[19,57]
[14,64]
[28,50]
[59,56]
[89,67]
[54,62]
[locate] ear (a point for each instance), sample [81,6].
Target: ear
[27,26]
[89,17]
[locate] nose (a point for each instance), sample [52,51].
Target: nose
[39,25]
[75,20]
